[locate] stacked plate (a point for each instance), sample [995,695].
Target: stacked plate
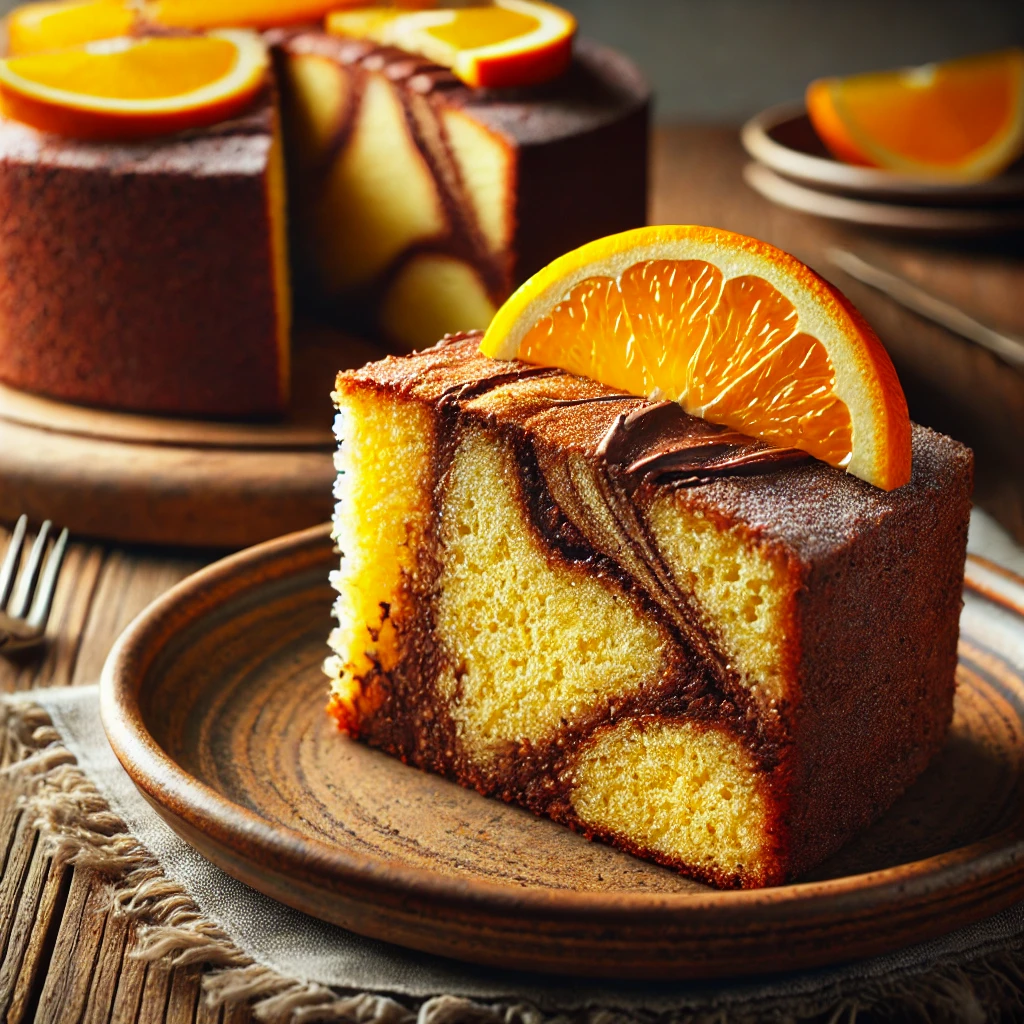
[792,168]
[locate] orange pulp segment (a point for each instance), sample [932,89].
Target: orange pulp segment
[505,43]
[733,329]
[128,88]
[33,28]
[962,120]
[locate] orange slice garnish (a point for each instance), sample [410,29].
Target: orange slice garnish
[200,14]
[35,28]
[733,329]
[129,88]
[53,26]
[961,121]
[505,43]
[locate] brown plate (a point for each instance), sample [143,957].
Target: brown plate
[214,703]
[783,139]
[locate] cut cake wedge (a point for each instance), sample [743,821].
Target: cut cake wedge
[718,655]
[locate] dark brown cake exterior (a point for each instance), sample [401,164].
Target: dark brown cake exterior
[784,634]
[418,203]
[148,276]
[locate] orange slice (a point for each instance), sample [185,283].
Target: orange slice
[733,329]
[54,26]
[200,14]
[505,43]
[129,88]
[959,121]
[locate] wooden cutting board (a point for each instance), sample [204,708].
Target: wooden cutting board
[159,480]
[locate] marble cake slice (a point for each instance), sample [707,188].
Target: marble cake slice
[717,655]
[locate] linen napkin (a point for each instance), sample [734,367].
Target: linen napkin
[325,972]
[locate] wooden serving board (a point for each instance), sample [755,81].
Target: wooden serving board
[214,703]
[160,480]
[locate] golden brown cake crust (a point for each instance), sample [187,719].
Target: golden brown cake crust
[873,628]
[141,276]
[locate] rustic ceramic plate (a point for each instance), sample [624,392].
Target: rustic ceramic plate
[782,139]
[214,703]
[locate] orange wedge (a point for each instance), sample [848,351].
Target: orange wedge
[129,88]
[958,121]
[54,26]
[200,14]
[505,43]
[733,329]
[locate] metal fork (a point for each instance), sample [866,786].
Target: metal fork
[23,617]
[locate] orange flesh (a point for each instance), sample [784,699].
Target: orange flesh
[52,26]
[483,26]
[729,347]
[200,14]
[145,70]
[935,115]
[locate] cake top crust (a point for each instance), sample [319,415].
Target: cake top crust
[238,146]
[781,496]
[601,86]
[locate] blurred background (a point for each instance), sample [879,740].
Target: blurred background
[724,60]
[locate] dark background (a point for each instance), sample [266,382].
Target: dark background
[723,60]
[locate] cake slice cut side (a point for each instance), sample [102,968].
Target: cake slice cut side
[636,656]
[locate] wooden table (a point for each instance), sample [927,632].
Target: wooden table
[63,957]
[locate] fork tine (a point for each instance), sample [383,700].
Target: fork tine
[27,583]
[48,584]
[9,570]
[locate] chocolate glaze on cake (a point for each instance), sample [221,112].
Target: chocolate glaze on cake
[875,576]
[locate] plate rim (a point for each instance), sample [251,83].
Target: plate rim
[860,211]
[865,182]
[164,782]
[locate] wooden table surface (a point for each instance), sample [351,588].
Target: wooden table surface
[63,957]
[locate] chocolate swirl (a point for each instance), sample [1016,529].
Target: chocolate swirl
[661,443]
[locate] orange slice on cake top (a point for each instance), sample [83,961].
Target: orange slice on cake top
[56,24]
[124,87]
[737,331]
[959,121]
[496,45]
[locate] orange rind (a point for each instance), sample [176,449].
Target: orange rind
[502,44]
[732,328]
[962,120]
[126,88]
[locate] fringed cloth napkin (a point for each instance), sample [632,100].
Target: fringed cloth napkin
[294,968]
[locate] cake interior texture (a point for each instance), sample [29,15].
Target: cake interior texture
[570,599]
[394,201]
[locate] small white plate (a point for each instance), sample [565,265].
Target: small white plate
[782,139]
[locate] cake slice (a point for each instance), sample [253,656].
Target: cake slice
[719,655]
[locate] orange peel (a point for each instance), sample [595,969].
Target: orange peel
[732,328]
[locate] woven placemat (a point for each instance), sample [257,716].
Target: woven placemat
[292,967]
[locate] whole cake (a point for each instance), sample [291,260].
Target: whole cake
[156,275]
[721,655]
